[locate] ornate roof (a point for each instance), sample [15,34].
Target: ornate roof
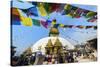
[49,44]
[58,43]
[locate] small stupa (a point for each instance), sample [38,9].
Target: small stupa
[56,48]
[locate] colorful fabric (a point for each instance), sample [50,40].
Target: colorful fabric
[15,11]
[42,10]
[44,23]
[31,11]
[36,22]
[26,21]
[15,20]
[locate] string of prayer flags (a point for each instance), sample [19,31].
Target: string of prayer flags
[76,12]
[26,21]
[79,26]
[68,26]
[36,22]
[42,9]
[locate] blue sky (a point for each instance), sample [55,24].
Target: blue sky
[24,37]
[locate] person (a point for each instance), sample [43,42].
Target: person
[49,58]
[53,59]
[61,59]
[32,59]
[14,61]
[45,60]
[70,58]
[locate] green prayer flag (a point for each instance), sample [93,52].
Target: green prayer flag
[47,7]
[90,14]
[36,22]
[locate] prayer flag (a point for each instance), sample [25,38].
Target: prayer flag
[81,27]
[15,16]
[95,27]
[36,22]
[42,9]
[70,26]
[31,11]
[90,14]
[54,7]
[34,3]
[85,13]
[49,21]
[87,27]
[15,11]
[26,21]
[44,23]
[92,19]
[67,7]
[15,20]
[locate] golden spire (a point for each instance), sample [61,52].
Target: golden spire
[49,44]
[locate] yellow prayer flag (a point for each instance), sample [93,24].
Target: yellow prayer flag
[42,9]
[26,21]
[67,7]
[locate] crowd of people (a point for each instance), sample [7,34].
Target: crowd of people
[70,57]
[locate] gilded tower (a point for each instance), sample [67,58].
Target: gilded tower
[49,47]
[57,46]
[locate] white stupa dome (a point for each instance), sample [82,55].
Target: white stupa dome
[43,42]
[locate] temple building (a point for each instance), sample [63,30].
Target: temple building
[55,49]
